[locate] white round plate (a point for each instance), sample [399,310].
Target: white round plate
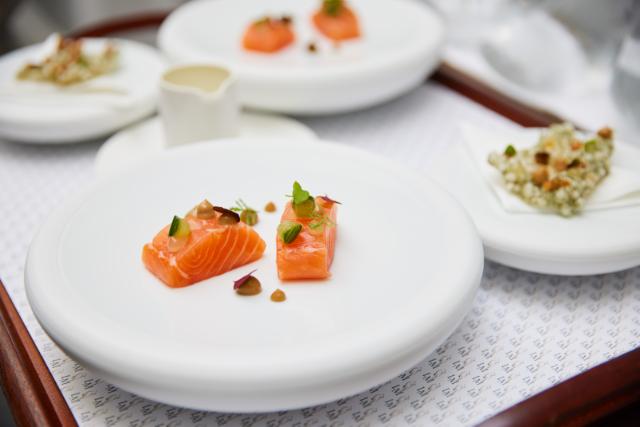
[407,265]
[592,242]
[400,44]
[40,113]
[137,143]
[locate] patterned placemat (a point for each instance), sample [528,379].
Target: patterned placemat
[525,332]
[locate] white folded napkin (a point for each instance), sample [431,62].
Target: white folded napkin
[107,90]
[620,189]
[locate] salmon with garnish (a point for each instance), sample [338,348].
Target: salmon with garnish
[336,20]
[211,245]
[309,255]
[268,35]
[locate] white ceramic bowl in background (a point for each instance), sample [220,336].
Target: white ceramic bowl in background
[407,265]
[52,116]
[400,44]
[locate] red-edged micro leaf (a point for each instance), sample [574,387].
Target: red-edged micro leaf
[241,281]
[329,199]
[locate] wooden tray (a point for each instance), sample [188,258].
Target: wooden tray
[608,394]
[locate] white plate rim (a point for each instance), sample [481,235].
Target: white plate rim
[59,323]
[405,55]
[125,135]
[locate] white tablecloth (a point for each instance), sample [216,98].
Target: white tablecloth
[525,332]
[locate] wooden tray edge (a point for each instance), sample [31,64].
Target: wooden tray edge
[36,400]
[31,391]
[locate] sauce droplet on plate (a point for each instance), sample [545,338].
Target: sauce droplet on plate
[251,286]
[278,296]
[270,207]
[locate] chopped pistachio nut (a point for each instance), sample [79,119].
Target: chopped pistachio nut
[179,227]
[249,217]
[289,230]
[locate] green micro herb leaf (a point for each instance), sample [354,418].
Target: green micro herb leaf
[332,7]
[510,151]
[590,146]
[320,221]
[299,195]
[303,203]
[82,61]
[240,206]
[289,230]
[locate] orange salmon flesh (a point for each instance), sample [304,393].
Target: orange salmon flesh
[310,255]
[268,37]
[211,249]
[342,26]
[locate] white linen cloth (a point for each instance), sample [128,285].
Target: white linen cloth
[524,333]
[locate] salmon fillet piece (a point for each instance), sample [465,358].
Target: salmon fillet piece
[268,35]
[310,255]
[341,26]
[212,249]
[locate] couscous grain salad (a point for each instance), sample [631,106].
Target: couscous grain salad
[560,172]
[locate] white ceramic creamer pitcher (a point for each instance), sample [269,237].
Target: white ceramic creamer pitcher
[198,102]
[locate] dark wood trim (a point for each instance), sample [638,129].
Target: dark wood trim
[122,24]
[625,417]
[604,390]
[581,400]
[483,94]
[31,391]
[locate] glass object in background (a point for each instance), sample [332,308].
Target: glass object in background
[468,20]
[73,14]
[556,45]
[33,20]
[534,50]
[599,25]
[626,77]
